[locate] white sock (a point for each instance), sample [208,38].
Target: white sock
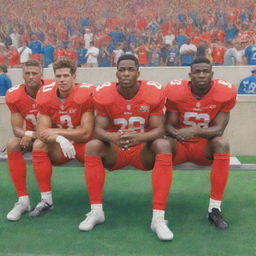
[24,200]
[97,207]
[158,214]
[214,204]
[47,196]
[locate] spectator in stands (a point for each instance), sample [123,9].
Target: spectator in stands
[36,46]
[142,53]
[5,81]
[248,84]
[25,52]
[230,56]
[88,37]
[250,52]
[181,38]
[13,57]
[173,55]
[92,56]
[47,53]
[154,54]
[218,52]
[117,52]
[81,55]
[187,53]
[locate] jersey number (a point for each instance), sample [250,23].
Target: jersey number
[65,122]
[31,118]
[134,122]
[200,119]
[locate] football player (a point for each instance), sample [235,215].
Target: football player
[21,100]
[64,125]
[196,117]
[128,129]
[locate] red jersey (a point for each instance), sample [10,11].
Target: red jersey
[218,54]
[19,101]
[65,113]
[134,113]
[199,112]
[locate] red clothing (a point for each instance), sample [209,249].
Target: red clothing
[142,55]
[71,54]
[67,113]
[59,52]
[19,101]
[14,58]
[134,113]
[218,54]
[220,98]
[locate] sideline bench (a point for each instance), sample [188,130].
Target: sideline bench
[235,164]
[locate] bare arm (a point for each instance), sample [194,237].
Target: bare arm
[101,124]
[216,127]
[17,122]
[80,134]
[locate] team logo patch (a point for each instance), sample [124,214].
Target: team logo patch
[128,107]
[144,108]
[62,107]
[198,104]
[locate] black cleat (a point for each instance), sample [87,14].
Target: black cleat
[41,207]
[215,218]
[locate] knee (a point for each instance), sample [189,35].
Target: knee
[161,146]
[13,145]
[39,145]
[94,148]
[219,145]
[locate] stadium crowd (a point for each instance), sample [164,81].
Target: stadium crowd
[159,32]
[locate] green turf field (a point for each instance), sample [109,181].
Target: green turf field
[128,214]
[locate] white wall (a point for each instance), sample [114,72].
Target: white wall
[163,75]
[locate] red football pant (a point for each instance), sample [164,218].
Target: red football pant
[161,180]
[42,169]
[94,177]
[17,169]
[219,175]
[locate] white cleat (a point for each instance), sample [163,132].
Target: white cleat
[92,218]
[16,212]
[159,226]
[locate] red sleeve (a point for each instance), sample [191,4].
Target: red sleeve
[100,110]
[13,108]
[229,105]
[158,108]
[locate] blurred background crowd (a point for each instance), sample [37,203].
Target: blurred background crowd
[159,32]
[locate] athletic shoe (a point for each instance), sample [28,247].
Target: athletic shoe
[92,218]
[16,212]
[215,218]
[159,226]
[41,207]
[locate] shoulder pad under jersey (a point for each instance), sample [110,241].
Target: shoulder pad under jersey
[83,92]
[223,90]
[175,90]
[15,93]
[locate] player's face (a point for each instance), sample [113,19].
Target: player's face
[32,76]
[64,80]
[127,73]
[201,76]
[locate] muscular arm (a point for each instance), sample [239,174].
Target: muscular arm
[17,122]
[101,124]
[80,134]
[216,127]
